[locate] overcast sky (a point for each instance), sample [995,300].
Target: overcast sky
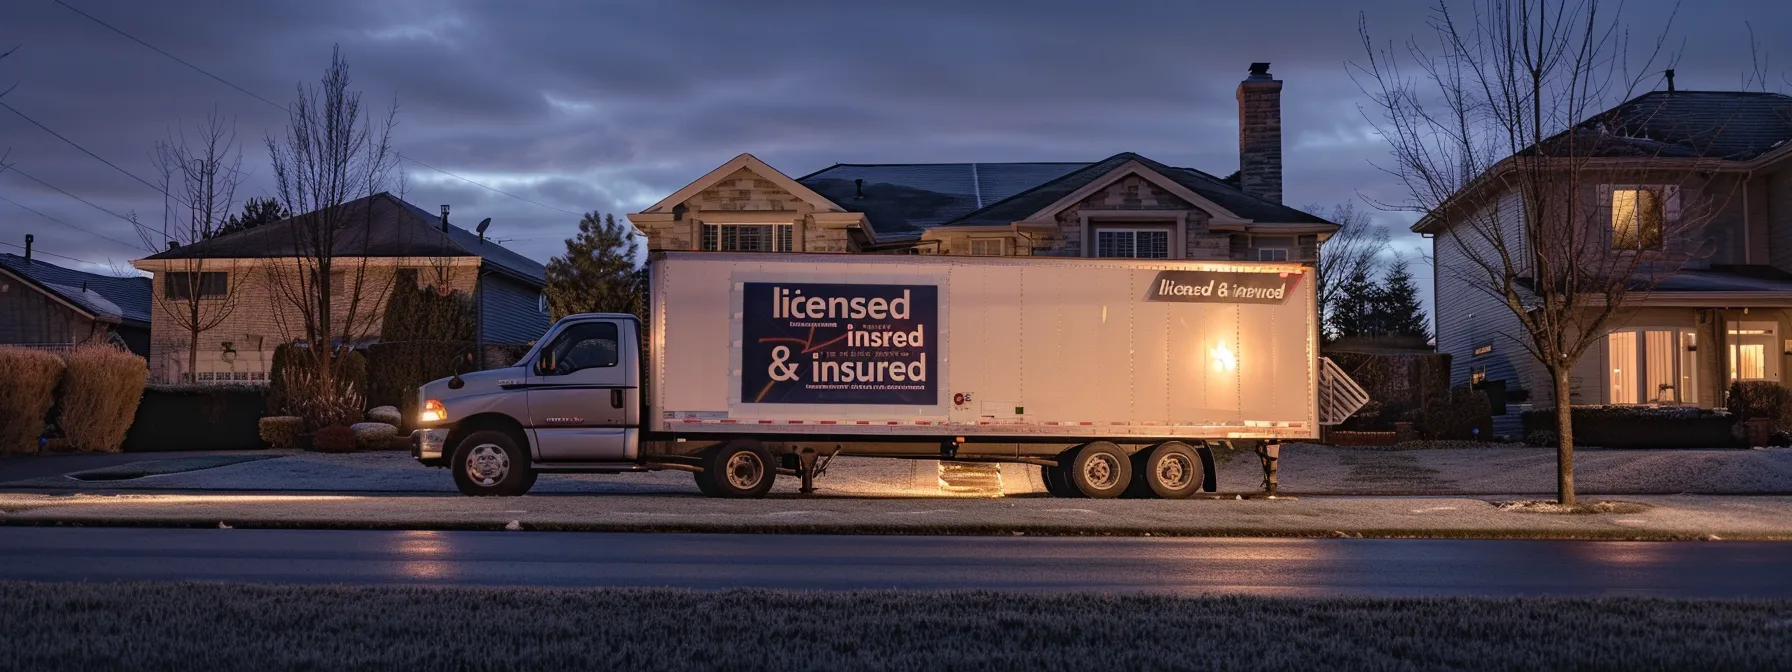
[610,106]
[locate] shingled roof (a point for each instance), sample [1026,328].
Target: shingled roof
[902,200]
[107,297]
[1726,125]
[395,229]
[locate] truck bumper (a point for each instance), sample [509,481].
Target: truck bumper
[427,446]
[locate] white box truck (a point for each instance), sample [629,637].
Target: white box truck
[1110,374]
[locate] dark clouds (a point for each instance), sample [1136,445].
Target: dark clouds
[610,106]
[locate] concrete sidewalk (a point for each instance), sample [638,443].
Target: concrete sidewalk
[1661,517]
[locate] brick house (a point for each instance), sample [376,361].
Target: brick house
[1126,205]
[399,240]
[1725,315]
[45,305]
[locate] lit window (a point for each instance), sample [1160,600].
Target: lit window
[987,247]
[1637,215]
[748,237]
[1132,243]
[1650,366]
[1272,254]
[1751,349]
[1477,374]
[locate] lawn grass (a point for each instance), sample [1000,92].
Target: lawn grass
[172,626]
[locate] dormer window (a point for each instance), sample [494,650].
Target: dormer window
[1637,216]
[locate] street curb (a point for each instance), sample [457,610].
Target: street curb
[903,530]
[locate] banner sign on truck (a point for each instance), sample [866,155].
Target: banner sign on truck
[827,343]
[1222,287]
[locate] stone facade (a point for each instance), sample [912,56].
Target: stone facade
[742,197]
[260,316]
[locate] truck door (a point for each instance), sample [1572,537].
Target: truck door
[581,393]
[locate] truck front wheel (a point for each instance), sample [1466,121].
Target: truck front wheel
[739,469]
[1100,470]
[490,463]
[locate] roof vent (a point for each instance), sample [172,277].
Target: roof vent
[1260,71]
[1670,74]
[444,218]
[858,188]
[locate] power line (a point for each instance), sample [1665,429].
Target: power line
[84,150]
[35,252]
[251,94]
[177,59]
[135,223]
[500,191]
[77,228]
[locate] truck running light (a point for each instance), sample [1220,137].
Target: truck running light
[432,412]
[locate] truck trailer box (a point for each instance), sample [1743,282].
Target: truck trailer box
[1012,348]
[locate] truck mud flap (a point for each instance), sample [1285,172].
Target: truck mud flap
[1208,483]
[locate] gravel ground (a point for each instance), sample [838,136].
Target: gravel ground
[1661,517]
[234,627]
[1305,469]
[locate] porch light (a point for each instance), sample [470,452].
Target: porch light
[432,412]
[1223,359]
[229,352]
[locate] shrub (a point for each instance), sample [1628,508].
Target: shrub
[374,435]
[386,415]
[1634,427]
[290,359]
[1456,416]
[321,404]
[396,370]
[333,439]
[1756,399]
[281,431]
[27,390]
[100,392]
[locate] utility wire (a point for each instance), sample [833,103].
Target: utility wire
[84,150]
[35,252]
[133,222]
[77,228]
[278,106]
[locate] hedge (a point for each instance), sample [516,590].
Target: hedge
[1636,427]
[98,400]
[198,417]
[27,391]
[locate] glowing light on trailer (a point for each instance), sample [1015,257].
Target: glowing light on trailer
[1223,359]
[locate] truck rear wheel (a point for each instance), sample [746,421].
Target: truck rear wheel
[1100,470]
[491,464]
[1173,470]
[739,469]
[1057,482]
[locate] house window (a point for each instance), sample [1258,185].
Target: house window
[1133,243]
[1483,349]
[1752,354]
[748,237]
[988,247]
[1637,216]
[185,285]
[1272,254]
[1650,366]
[1476,375]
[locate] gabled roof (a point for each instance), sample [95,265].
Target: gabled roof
[106,297]
[902,199]
[394,228]
[1024,204]
[1727,125]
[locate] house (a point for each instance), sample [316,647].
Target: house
[42,304]
[1720,316]
[1126,205]
[246,278]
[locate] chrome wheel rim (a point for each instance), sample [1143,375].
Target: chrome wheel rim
[744,471]
[1102,471]
[1174,471]
[487,464]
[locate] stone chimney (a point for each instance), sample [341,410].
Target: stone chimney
[1260,134]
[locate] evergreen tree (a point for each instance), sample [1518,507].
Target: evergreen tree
[1396,305]
[598,273]
[256,212]
[1353,312]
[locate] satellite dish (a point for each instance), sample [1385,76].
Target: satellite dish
[482,224]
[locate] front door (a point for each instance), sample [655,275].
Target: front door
[580,394]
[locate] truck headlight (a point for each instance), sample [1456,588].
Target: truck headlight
[432,412]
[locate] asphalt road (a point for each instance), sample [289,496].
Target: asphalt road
[1290,567]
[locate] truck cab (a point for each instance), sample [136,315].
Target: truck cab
[574,400]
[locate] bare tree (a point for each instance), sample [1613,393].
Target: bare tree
[1355,250]
[1498,137]
[199,177]
[330,156]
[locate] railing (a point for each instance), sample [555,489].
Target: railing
[1339,396]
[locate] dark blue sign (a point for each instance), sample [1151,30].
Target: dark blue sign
[814,343]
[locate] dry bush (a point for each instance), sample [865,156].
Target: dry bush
[281,431]
[100,393]
[333,439]
[27,390]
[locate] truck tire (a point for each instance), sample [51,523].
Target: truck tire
[741,469]
[491,464]
[1100,470]
[1172,470]
[1057,482]
[704,485]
